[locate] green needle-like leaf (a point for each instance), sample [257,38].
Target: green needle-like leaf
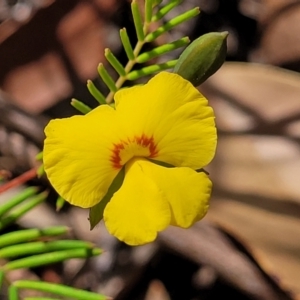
[126,44]
[26,235]
[137,19]
[39,156]
[107,78]
[80,106]
[114,62]
[1,278]
[60,202]
[21,197]
[144,35]
[172,23]
[95,92]
[136,74]
[156,2]
[41,298]
[26,207]
[13,293]
[50,258]
[162,50]
[148,10]
[58,289]
[42,247]
[40,171]
[165,9]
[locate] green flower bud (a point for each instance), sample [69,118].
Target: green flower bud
[203,57]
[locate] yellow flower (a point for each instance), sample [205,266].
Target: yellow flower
[161,133]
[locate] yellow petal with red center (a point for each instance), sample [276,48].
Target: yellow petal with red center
[171,111]
[78,154]
[139,209]
[187,192]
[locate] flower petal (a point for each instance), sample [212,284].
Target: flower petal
[187,192]
[138,210]
[173,112]
[77,154]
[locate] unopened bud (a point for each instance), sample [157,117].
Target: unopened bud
[203,57]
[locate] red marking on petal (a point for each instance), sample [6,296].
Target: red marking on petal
[115,158]
[143,140]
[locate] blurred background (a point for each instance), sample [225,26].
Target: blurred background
[248,246]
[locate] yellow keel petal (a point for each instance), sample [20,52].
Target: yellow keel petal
[139,209]
[187,191]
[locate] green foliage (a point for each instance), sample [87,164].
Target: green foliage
[56,289]
[31,248]
[144,22]
[80,106]
[14,215]
[95,92]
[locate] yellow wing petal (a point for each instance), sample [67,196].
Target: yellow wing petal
[78,155]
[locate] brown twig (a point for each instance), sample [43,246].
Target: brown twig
[19,180]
